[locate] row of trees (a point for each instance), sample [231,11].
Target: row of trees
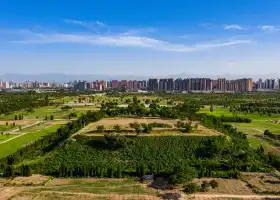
[11,102]
[50,141]
[154,110]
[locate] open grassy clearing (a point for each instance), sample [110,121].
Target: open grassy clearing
[109,123]
[257,127]
[219,111]
[40,114]
[6,137]
[12,145]
[255,143]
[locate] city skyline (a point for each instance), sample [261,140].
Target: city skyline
[147,38]
[152,85]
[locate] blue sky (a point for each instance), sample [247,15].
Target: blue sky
[140,37]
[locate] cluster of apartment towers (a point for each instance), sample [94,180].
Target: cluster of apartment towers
[177,85]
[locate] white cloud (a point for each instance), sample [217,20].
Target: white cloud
[233,27]
[268,28]
[139,31]
[121,41]
[90,25]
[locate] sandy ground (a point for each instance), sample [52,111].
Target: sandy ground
[64,181]
[228,189]
[228,186]
[262,182]
[17,122]
[48,195]
[109,122]
[32,180]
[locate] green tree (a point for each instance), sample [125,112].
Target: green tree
[190,188]
[117,127]
[100,128]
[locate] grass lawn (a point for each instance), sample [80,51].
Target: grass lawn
[40,113]
[218,111]
[5,128]
[128,186]
[256,143]
[11,146]
[6,137]
[257,127]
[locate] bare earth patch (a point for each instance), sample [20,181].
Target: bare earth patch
[110,122]
[17,122]
[31,180]
[228,186]
[65,181]
[262,182]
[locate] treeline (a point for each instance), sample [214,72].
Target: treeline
[263,108]
[240,139]
[136,109]
[235,119]
[271,135]
[48,142]
[11,102]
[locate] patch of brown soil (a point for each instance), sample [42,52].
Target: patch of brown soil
[262,182]
[228,186]
[8,192]
[109,122]
[31,180]
[17,122]
[65,181]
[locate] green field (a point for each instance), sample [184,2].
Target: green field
[218,111]
[11,146]
[5,128]
[257,127]
[256,143]
[40,113]
[6,137]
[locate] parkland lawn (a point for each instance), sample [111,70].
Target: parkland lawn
[257,127]
[12,145]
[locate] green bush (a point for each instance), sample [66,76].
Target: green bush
[214,184]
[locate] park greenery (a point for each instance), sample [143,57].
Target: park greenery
[64,154]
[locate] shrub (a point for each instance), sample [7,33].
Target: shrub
[117,127]
[205,186]
[190,188]
[214,184]
[100,128]
[66,108]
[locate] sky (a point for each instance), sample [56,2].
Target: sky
[150,38]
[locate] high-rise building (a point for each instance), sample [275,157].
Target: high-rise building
[170,84]
[81,86]
[153,85]
[162,85]
[115,84]
[221,84]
